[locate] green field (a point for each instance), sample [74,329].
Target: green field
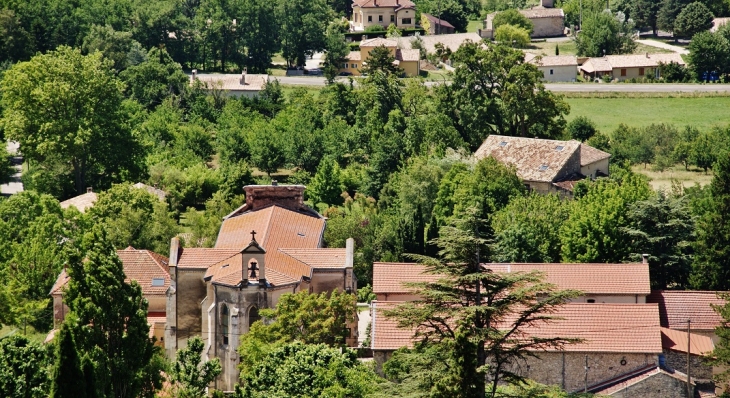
[702,112]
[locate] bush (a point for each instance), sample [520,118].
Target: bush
[512,35]
[514,18]
[581,128]
[375,28]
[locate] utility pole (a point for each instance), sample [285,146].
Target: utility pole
[689,394]
[438,27]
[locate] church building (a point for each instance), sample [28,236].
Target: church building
[270,246]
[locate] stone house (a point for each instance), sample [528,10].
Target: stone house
[546,21]
[401,13]
[408,60]
[244,85]
[148,269]
[623,67]
[624,352]
[556,68]
[547,166]
[436,26]
[270,246]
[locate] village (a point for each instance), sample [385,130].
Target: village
[364,198]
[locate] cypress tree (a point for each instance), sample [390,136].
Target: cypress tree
[68,379]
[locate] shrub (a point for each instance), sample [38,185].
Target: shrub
[514,18]
[512,35]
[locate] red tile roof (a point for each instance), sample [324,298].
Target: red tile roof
[397,4]
[677,306]
[391,277]
[437,21]
[319,258]
[616,328]
[604,279]
[676,340]
[199,257]
[623,382]
[589,154]
[142,266]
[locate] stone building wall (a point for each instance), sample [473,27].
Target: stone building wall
[678,361]
[567,369]
[183,310]
[548,27]
[660,385]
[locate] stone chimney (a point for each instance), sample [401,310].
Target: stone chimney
[547,3]
[287,196]
[194,76]
[647,55]
[349,252]
[645,258]
[89,190]
[243,76]
[174,251]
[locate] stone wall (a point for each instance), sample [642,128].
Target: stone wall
[183,310]
[678,361]
[660,385]
[567,369]
[590,170]
[548,27]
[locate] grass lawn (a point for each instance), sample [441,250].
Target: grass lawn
[699,111]
[663,179]
[31,334]
[568,48]
[474,26]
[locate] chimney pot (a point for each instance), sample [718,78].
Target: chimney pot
[647,55]
[194,75]
[89,190]
[645,258]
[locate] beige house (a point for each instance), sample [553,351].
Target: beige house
[546,21]
[148,269]
[560,68]
[547,166]
[408,60]
[243,85]
[623,67]
[270,246]
[401,13]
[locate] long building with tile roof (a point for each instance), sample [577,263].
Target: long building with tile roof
[269,246]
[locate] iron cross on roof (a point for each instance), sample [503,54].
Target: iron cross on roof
[253,236]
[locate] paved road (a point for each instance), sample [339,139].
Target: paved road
[14,186]
[565,87]
[661,44]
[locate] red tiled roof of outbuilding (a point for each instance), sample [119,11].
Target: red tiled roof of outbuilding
[677,306]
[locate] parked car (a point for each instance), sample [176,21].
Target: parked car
[345,73]
[314,72]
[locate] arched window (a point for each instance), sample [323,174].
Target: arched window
[253,316]
[224,323]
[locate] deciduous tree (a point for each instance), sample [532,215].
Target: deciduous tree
[23,368]
[514,18]
[604,33]
[189,376]
[693,18]
[66,107]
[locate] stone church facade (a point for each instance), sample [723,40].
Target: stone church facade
[270,246]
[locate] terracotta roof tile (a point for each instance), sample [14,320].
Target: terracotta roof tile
[437,21]
[354,56]
[589,154]
[676,306]
[319,258]
[232,81]
[596,65]
[676,340]
[377,42]
[451,41]
[152,190]
[390,277]
[610,62]
[554,60]
[534,159]
[199,257]
[540,12]
[149,269]
[397,4]
[617,328]
[568,183]
[81,202]
[623,382]
[407,55]
[603,279]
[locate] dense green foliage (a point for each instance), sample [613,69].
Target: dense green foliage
[189,376]
[23,368]
[514,18]
[693,18]
[604,33]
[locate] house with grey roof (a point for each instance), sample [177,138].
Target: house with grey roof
[547,166]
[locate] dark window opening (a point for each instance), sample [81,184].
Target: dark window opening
[591,301]
[253,316]
[405,21]
[224,323]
